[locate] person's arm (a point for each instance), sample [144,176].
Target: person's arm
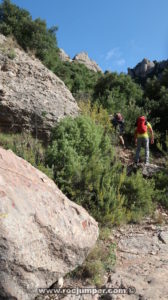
[151,133]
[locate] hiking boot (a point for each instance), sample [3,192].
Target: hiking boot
[136,164]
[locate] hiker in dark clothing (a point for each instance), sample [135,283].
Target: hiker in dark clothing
[118,123]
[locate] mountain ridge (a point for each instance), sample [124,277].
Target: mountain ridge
[82,58]
[147,69]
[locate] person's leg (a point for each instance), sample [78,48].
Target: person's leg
[139,143]
[122,141]
[121,131]
[146,150]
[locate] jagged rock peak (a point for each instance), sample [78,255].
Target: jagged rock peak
[142,69]
[64,56]
[32,98]
[147,67]
[83,58]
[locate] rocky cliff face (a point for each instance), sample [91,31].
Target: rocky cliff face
[148,68]
[31,97]
[81,58]
[43,235]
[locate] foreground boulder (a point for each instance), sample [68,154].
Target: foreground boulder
[32,98]
[43,235]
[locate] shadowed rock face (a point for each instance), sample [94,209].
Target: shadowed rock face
[148,68]
[31,97]
[142,69]
[43,235]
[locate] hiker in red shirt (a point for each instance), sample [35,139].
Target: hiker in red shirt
[142,132]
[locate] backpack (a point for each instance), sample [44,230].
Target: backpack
[141,125]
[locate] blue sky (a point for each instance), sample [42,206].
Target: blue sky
[117,34]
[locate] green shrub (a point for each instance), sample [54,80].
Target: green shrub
[12,54]
[30,34]
[85,170]
[100,260]
[161,185]
[113,90]
[137,193]
[97,113]
[25,146]
[84,167]
[119,93]
[157,93]
[104,233]
[78,78]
